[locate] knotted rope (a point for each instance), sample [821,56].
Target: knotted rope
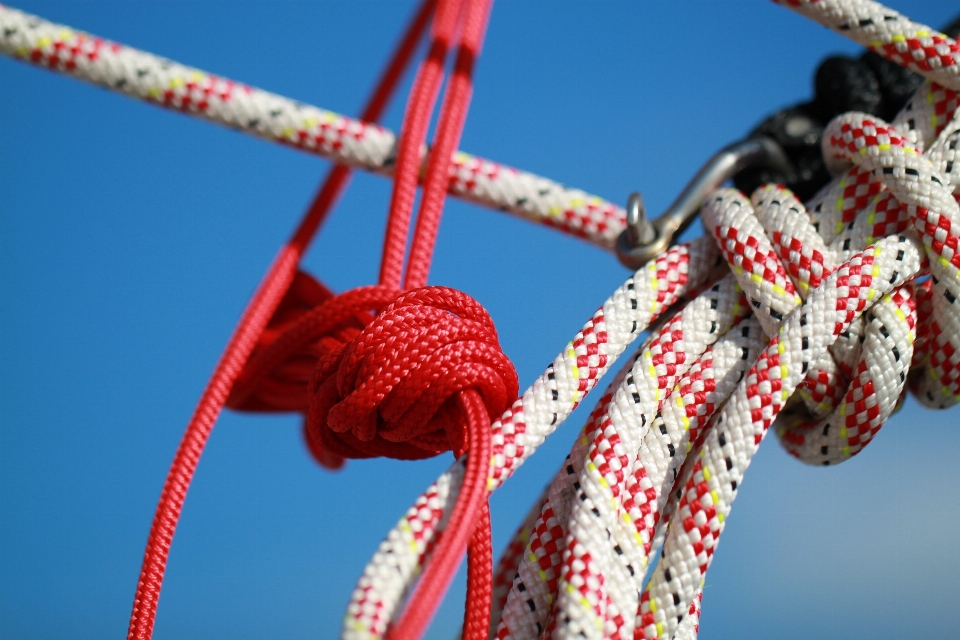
[587,552]
[377,371]
[378,384]
[831,300]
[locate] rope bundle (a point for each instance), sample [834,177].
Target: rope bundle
[603,516]
[815,319]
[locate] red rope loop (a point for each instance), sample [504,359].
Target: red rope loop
[380,386]
[425,376]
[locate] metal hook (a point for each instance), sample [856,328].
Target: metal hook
[643,240]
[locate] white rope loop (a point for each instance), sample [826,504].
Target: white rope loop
[742,423]
[874,391]
[858,410]
[637,508]
[926,194]
[919,194]
[779,258]
[540,410]
[730,217]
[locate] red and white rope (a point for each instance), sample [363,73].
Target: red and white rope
[727,450]
[897,38]
[578,575]
[534,416]
[696,526]
[741,424]
[592,610]
[568,587]
[339,138]
[822,300]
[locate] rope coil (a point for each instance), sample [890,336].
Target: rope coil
[829,313]
[668,483]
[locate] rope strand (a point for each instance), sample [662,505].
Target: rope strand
[252,322]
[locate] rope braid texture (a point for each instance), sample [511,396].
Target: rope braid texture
[360,144]
[569,582]
[396,369]
[828,314]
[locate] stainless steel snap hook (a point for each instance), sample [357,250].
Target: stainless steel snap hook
[643,240]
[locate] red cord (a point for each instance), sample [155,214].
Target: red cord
[476,617]
[413,133]
[471,513]
[251,325]
[453,115]
[448,552]
[424,375]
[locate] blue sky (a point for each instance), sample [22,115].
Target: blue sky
[130,239]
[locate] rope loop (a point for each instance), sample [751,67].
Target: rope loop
[849,302]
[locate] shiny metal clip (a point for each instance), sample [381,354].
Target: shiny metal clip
[643,240]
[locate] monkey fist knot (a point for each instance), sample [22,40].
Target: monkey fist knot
[377,385]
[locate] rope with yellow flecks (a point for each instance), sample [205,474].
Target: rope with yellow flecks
[884,31]
[779,259]
[345,140]
[643,298]
[641,462]
[712,482]
[828,314]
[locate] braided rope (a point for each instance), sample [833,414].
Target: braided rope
[741,424]
[821,302]
[572,580]
[538,412]
[355,143]
[897,38]
[610,501]
[579,573]
[266,115]
[925,195]
[728,448]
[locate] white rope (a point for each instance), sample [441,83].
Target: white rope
[593,607]
[881,29]
[820,300]
[362,145]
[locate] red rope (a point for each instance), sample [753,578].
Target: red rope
[470,505]
[375,371]
[388,386]
[471,514]
[413,133]
[450,126]
[255,317]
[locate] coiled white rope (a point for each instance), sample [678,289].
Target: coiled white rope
[670,441]
[591,587]
[622,488]
[583,567]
